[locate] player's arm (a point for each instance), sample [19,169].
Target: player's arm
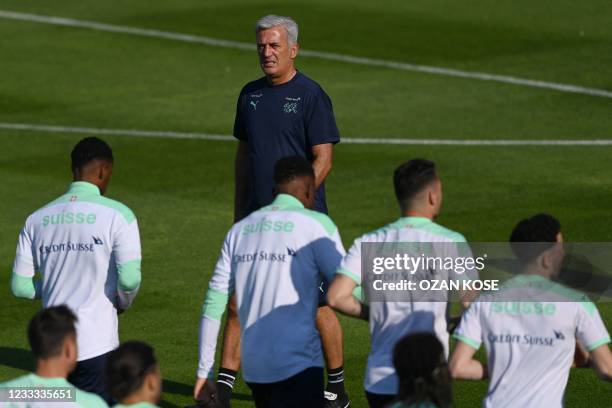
[210,325]
[241,169]
[464,366]
[329,252]
[322,161]
[23,284]
[220,288]
[601,359]
[343,289]
[591,332]
[127,251]
[340,297]
[322,132]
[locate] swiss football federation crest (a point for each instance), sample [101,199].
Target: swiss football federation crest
[290,107]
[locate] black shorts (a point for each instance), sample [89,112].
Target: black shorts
[303,390]
[88,375]
[379,400]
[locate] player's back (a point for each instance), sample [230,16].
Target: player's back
[390,320]
[71,242]
[529,329]
[278,256]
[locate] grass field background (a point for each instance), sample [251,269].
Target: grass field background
[182,190]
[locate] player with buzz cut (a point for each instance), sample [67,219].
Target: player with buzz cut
[419,193]
[530,326]
[86,248]
[273,260]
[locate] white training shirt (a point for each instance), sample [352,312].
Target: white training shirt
[529,329]
[391,320]
[274,261]
[87,249]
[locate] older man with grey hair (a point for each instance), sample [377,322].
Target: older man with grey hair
[282,114]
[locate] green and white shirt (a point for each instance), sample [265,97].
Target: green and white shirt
[87,249]
[392,320]
[529,329]
[274,261]
[82,398]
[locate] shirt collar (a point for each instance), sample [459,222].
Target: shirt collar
[416,221]
[83,187]
[49,381]
[287,201]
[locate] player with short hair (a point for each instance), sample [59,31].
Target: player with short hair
[530,326]
[273,260]
[133,376]
[52,338]
[418,190]
[87,250]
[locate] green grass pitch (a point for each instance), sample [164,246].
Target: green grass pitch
[182,190]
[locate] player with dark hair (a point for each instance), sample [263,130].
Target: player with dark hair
[530,326]
[418,191]
[133,377]
[424,379]
[273,261]
[52,338]
[86,248]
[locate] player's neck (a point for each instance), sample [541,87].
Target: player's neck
[139,396]
[274,81]
[51,368]
[417,213]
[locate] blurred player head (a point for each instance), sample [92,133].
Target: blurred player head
[52,338]
[420,364]
[418,188]
[294,175]
[92,161]
[132,374]
[277,45]
[537,242]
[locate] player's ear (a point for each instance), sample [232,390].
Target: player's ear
[69,349]
[294,50]
[431,197]
[153,382]
[546,260]
[106,169]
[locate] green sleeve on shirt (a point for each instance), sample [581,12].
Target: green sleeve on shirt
[472,343]
[214,304]
[23,287]
[593,346]
[129,275]
[346,272]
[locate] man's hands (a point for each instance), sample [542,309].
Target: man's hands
[205,390]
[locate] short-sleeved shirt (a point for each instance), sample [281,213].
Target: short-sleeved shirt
[392,320]
[80,243]
[82,399]
[274,260]
[530,342]
[279,121]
